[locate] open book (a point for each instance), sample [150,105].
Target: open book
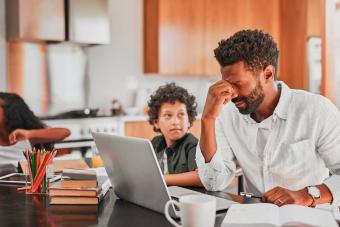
[267,214]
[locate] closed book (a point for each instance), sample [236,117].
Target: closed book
[56,190]
[76,174]
[81,200]
[74,200]
[69,183]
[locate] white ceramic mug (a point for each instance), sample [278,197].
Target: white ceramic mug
[194,211]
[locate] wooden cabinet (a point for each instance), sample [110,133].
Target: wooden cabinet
[35,20]
[299,20]
[225,17]
[180,36]
[143,129]
[174,37]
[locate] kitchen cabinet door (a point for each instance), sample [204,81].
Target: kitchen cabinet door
[174,37]
[140,129]
[180,36]
[225,17]
[35,20]
[143,129]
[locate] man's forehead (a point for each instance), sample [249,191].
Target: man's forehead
[234,72]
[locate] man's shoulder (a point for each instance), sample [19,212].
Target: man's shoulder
[307,98]
[310,103]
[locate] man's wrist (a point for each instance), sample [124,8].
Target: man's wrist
[207,118]
[309,200]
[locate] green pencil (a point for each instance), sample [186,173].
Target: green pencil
[34,157]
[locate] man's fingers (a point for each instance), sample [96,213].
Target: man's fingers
[271,194]
[221,87]
[272,198]
[284,199]
[225,98]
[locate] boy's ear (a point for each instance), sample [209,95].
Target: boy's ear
[155,124]
[190,125]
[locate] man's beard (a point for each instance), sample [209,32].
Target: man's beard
[252,101]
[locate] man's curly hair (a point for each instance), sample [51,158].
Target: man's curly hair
[256,48]
[170,93]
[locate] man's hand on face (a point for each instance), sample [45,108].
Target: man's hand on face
[219,94]
[281,196]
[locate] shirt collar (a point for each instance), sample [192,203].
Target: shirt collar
[282,107]
[281,110]
[174,146]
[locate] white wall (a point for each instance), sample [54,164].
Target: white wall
[116,70]
[2,46]
[112,65]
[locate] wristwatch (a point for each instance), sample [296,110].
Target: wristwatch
[314,192]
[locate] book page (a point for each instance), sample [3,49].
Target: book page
[260,214]
[305,216]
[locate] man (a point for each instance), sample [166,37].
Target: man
[286,141]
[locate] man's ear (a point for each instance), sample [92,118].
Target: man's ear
[269,73]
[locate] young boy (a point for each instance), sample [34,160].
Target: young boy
[172,111]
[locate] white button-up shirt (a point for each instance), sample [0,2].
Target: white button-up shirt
[301,148]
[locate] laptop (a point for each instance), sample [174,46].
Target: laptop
[134,172]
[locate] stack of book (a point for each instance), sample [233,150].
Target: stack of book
[79,187]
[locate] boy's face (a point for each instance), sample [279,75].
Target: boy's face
[173,121]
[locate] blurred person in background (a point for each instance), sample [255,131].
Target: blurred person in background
[20,129]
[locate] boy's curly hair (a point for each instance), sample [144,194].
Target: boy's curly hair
[256,48]
[170,93]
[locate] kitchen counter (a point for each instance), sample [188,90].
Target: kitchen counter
[133,118]
[128,125]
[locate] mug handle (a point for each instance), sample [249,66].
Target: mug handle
[166,212]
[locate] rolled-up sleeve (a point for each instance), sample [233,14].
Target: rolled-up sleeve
[220,171]
[329,147]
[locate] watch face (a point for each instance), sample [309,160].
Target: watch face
[314,192]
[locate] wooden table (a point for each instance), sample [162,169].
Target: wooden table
[19,209]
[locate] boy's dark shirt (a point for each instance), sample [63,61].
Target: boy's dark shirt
[180,155]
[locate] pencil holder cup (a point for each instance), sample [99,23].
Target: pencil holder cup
[41,187]
[39,167]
